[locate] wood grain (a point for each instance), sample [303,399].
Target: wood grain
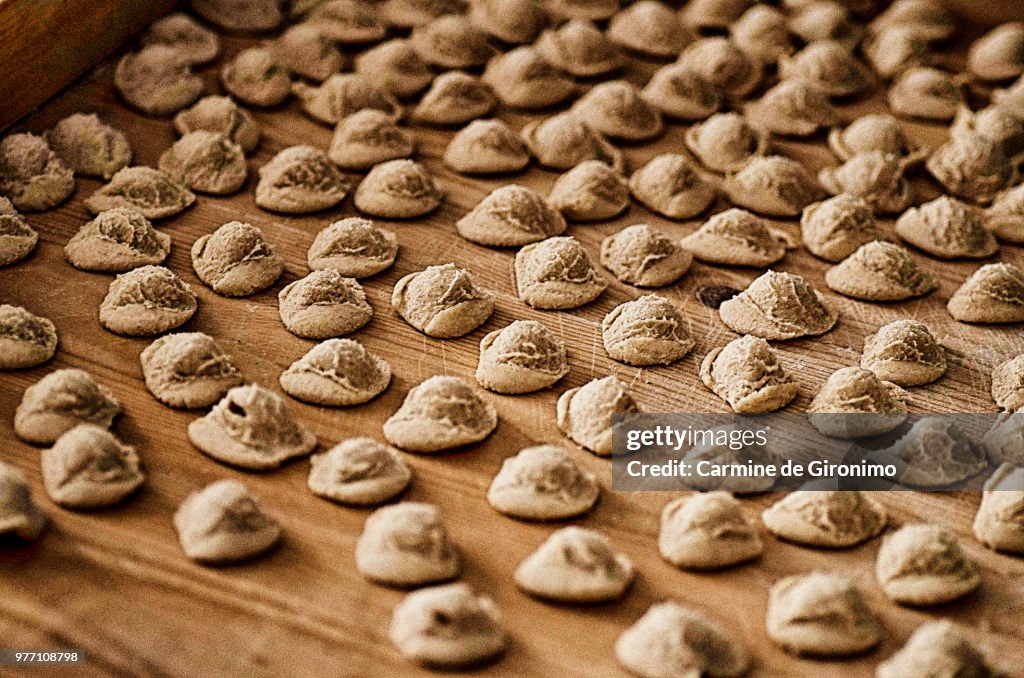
[116,584]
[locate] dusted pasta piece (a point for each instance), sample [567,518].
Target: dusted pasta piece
[993,294]
[398,189]
[520,358]
[832,519]
[905,353]
[948,229]
[774,185]
[1008,384]
[972,167]
[880,271]
[762,32]
[746,373]
[147,300]
[707,531]
[650,28]
[563,141]
[348,22]
[367,138]
[556,274]
[299,180]
[487,147]
[722,64]
[670,186]
[617,110]
[735,237]
[439,414]
[60,401]
[306,51]
[26,340]
[720,454]
[442,301]
[32,176]
[642,256]
[359,472]
[353,247]
[825,20]
[17,238]
[1010,98]
[543,483]
[257,77]
[180,31]
[894,50]
[157,80]
[585,413]
[579,48]
[251,428]
[224,523]
[452,41]
[937,648]
[522,78]
[929,17]
[337,373]
[220,114]
[514,22]
[713,14]
[924,565]
[793,108]
[875,177]
[323,304]
[829,66]
[778,305]
[116,241]
[999,54]
[150,191]
[821,614]
[679,93]
[872,132]
[726,142]
[240,15]
[20,517]
[207,162]
[1003,440]
[993,123]
[396,68]
[592,191]
[89,468]
[188,370]
[833,229]
[673,640]
[341,95]
[455,98]
[88,146]
[235,260]
[935,452]
[510,216]
[649,330]
[998,523]
[926,93]
[855,403]
[448,626]
[576,565]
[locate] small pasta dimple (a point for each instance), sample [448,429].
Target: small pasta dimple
[555,274]
[224,523]
[236,260]
[441,413]
[442,301]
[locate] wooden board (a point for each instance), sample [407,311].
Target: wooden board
[46,44]
[116,584]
